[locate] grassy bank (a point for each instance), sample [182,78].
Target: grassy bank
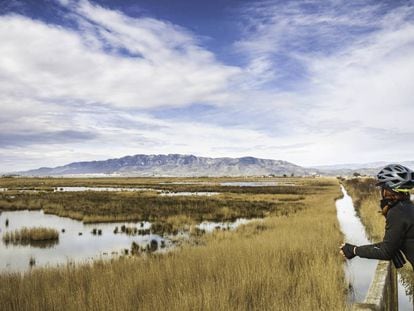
[30,236]
[283,263]
[366,198]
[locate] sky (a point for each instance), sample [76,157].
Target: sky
[310,82]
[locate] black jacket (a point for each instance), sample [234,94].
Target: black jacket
[399,234]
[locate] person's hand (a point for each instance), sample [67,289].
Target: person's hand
[347,250]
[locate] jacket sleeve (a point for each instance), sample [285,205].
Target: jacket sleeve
[394,234]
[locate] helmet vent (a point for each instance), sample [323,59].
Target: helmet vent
[396,176]
[402,175]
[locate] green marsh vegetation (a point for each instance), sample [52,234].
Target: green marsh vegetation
[285,262]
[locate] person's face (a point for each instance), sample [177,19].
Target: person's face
[385,193]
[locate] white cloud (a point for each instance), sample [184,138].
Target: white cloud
[57,85]
[46,61]
[80,94]
[356,94]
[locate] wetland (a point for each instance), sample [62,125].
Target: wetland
[245,247]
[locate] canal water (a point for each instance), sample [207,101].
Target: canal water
[360,271]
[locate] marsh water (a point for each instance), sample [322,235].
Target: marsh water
[360,271]
[173,194]
[77,243]
[210,226]
[110,189]
[256,183]
[126,189]
[233,183]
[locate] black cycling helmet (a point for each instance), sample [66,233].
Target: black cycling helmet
[395,177]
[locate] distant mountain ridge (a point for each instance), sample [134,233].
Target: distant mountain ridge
[355,166]
[181,165]
[175,165]
[370,169]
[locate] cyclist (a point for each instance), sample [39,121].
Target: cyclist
[395,182]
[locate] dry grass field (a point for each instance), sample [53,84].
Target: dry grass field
[285,262]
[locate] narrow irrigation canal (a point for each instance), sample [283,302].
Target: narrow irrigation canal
[360,271]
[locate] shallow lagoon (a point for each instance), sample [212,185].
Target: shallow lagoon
[77,243]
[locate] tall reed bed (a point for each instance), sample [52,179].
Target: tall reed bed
[109,206]
[25,235]
[282,263]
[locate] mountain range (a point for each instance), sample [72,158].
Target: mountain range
[190,165]
[175,165]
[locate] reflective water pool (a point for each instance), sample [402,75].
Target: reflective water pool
[257,183]
[79,242]
[210,226]
[251,183]
[173,194]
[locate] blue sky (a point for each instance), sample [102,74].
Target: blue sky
[311,82]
